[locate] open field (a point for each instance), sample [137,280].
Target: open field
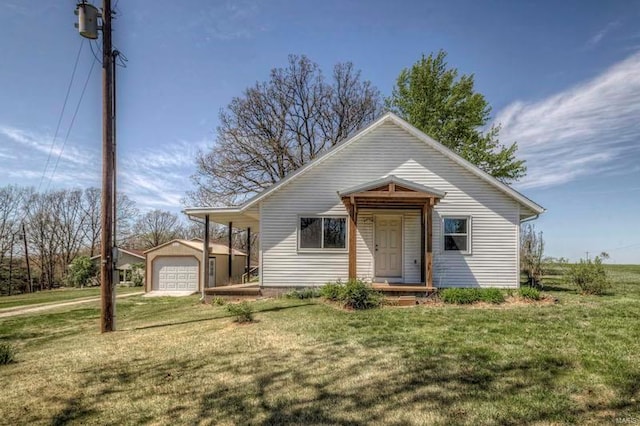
[59,295]
[178,361]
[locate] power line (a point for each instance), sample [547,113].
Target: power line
[64,105]
[94,53]
[73,119]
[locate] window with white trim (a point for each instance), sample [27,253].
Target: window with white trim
[322,233]
[456,234]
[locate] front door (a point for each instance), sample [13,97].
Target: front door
[388,257]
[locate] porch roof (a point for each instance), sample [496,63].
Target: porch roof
[385,181]
[391,191]
[240,218]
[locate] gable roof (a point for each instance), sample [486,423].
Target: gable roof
[136,253]
[392,118]
[391,179]
[214,248]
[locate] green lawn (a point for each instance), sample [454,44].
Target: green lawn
[58,295]
[305,362]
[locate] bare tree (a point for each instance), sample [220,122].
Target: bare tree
[42,231]
[157,227]
[278,126]
[92,225]
[70,223]
[126,216]
[11,199]
[532,254]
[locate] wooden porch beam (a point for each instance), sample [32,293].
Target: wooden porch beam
[248,251]
[353,218]
[230,261]
[393,194]
[430,244]
[205,255]
[423,251]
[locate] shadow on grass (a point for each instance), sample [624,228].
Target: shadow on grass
[327,384]
[74,412]
[258,311]
[559,288]
[337,381]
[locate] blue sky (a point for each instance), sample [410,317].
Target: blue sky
[563,79]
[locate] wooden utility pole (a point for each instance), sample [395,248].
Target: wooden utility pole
[11,263]
[26,256]
[107,320]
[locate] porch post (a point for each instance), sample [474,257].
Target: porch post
[430,244]
[230,250]
[353,212]
[423,249]
[205,255]
[248,251]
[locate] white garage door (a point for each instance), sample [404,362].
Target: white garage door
[175,273]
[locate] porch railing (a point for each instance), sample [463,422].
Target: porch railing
[250,275]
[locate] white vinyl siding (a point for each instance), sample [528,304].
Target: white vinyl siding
[387,150]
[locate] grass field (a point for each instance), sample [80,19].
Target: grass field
[305,362]
[58,295]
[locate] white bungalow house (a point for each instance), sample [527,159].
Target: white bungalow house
[391,206]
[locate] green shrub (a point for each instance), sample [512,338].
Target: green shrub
[137,274]
[354,294]
[242,311]
[529,293]
[492,295]
[466,296]
[460,296]
[357,294]
[80,272]
[7,353]
[589,276]
[332,291]
[218,301]
[305,293]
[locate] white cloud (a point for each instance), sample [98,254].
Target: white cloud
[597,37]
[156,177]
[159,178]
[591,128]
[42,143]
[237,19]
[24,156]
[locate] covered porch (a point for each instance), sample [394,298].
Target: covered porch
[235,220]
[382,198]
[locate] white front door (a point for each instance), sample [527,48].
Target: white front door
[388,249]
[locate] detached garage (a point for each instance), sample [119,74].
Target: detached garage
[176,266]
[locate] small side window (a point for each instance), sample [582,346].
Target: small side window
[456,234]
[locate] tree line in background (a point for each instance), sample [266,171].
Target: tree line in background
[56,227]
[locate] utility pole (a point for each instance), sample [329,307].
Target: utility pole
[26,256]
[13,235]
[107,322]
[88,27]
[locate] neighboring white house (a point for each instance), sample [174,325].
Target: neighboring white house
[389,205]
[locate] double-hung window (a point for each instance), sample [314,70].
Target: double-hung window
[322,233]
[457,233]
